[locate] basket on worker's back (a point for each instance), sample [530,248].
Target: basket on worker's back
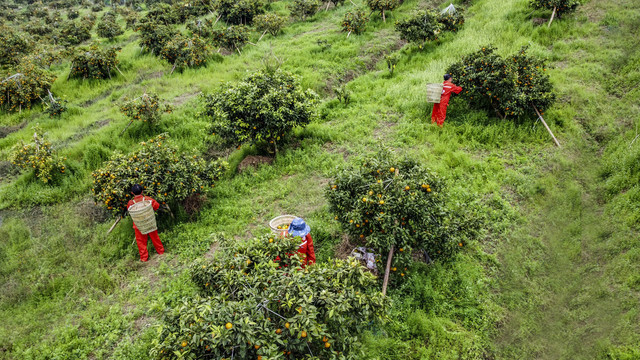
[143,216]
[281,223]
[434,92]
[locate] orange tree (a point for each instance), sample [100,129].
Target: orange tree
[510,86]
[147,108]
[13,45]
[109,28]
[94,63]
[271,23]
[263,107]
[355,22]
[39,156]
[304,8]
[232,38]
[384,202]
[252,307]
[184,51]
[561,7]
[24,86]
[239,11]
[73,33]
[451,21]
[382,6]
[165,175]
[421,27]
[154,35]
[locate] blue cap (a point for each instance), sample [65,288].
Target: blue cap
[298,228]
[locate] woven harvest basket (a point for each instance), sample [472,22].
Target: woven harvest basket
[434,92]
[143,216]
[283,221]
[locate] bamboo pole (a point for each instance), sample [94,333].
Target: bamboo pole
[546,126]
[553,14]
[114,225]
[386,271]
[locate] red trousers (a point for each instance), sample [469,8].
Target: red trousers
[141,239]
[439,113]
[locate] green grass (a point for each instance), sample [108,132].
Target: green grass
[553,276]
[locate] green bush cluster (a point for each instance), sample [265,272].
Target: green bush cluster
[13,45]
[109,28]
[271,23]
[184,51]
[74,33]
[263,107]
[39,156]
[232,38]
[239,11]
[26,85]
[257,302]
[382,6]
[421,27]
[154,36]
[147,108]
[303,9]
[94,63]
[562,6]
[355,22]
[510,86]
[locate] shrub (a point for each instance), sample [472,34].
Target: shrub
[108,28]
[55,107]
[94,63]
[96,8]
[254,307]
[343,94]
[239,11]
[154,36]
[271,23]
[185,52]
[39,156]
[265,106]
[88,21]
[165,175]
[392,61]
[232,38]
[72,14]
[38,27]
[355,22]
[561,7]
[202,28]
[382,6]
[161,13]
[337,3]
[304,8]
[131,20]
[73,33]
[146,108]
[386,202]
[451,21]
[24,87]
[187,9]
[44,56]
[421,27]
[509,86]
[13,45]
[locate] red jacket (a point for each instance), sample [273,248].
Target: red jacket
[307,250]
[448,88]
[139,198]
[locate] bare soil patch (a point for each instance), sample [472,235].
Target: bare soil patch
[253,161]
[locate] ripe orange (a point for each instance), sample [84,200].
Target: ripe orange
[184,343]
[279,331]
[303,334]
[381,202]
[401,249]
[394,269]
[229,326]
[327,345]
[392,169]
[407,187]
[325,339]
[256,347]
[270,240]
[287,325]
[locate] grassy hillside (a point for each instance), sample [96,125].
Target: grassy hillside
[553,276]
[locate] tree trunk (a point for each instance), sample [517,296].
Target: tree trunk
[386,272]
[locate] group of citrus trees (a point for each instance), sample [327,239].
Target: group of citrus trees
[39,156]
[258,302]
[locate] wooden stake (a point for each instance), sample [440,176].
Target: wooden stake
[383,18]
[262,36]
[125,129]
[386,272]
[114,225]
[348,34]
[546,126]
[552,15]
[217,20]
[327,8]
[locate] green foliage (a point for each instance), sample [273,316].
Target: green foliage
[147,108]
[154,36]
[39,156]
[55,107]
[13,45]
[421,27]
[271,23]
[72,13]
[386,202]
[232,38]
[392,61]
[38,27]
[303,9]
[265,106]
[165,175]
[108,28]
[44,56]
[202,28]
[355,22]
[74,33]
[255,307]
[239,11]
[131,20]
[343,94]
[94,63]
[96,8]
[562,6]
[161,13]
[24,87]
[510,86]
[184,51]
[382,6]
[451,22]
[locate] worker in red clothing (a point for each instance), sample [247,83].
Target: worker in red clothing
[439,112]
[141,239]
[299,228]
